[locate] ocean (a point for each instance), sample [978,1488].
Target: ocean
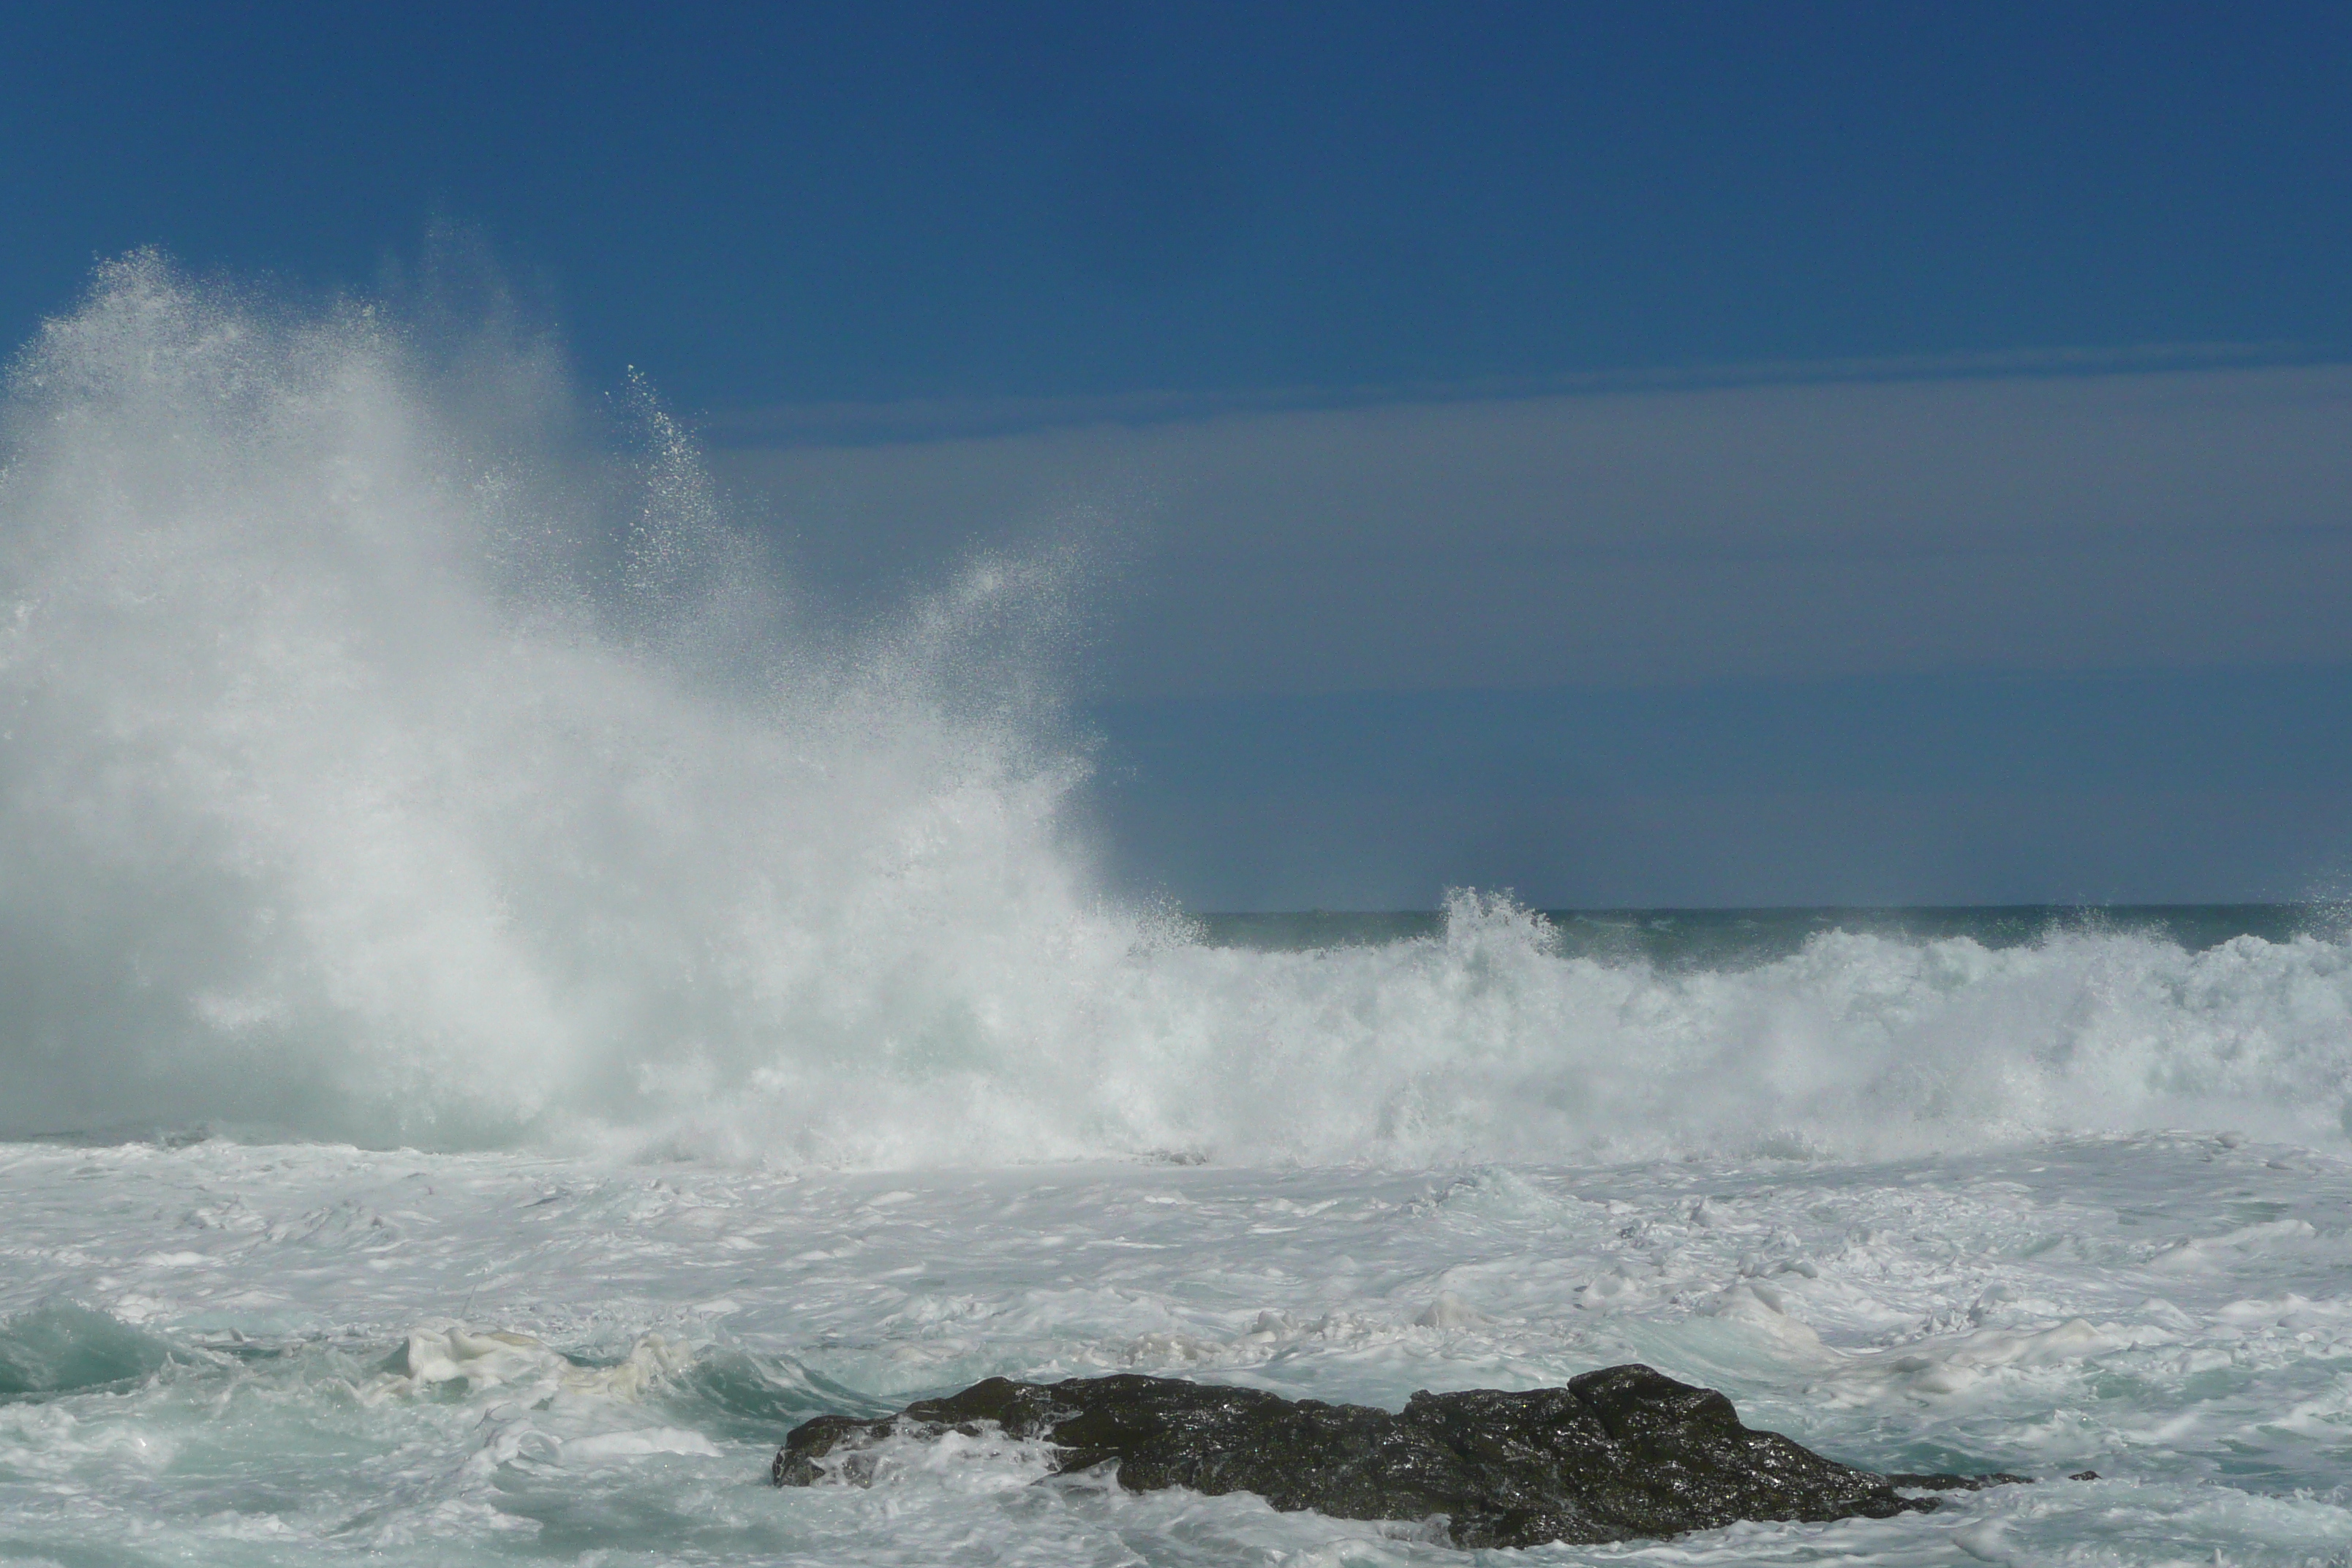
[507,1006]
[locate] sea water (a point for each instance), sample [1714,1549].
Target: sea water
[505,1009]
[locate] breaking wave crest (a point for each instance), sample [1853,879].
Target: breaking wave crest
[387,756]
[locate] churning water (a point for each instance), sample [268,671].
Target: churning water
[632,1011]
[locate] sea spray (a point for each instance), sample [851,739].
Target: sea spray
[385,757]
[373,773]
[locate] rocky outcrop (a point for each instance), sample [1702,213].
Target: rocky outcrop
[1622,1453]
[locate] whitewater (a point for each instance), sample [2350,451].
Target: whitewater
[507,1005]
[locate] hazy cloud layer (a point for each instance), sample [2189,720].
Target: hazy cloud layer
[2059,524]
[2010,639]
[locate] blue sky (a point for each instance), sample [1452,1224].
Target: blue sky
[812,202]
[1628,402]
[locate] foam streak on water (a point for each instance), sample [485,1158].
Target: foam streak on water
[395,757]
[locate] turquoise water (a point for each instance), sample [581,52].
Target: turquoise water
[303,1354]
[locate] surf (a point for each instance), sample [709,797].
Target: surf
[401,748]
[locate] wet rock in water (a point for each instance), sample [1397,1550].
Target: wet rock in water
[1622,1453]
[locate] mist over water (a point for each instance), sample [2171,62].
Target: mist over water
[395,752]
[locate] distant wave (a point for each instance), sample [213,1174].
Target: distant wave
[389,757]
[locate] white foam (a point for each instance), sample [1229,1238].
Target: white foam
[480,1360]
[638,1444]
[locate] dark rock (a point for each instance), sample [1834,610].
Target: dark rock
[1618,1454]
